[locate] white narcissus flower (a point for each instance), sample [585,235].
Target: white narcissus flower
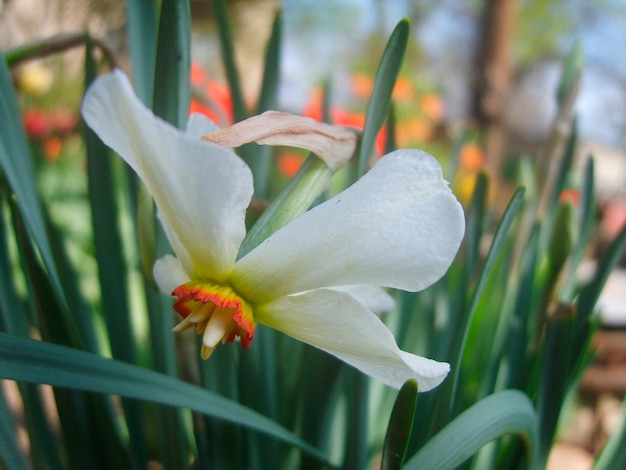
[399,226]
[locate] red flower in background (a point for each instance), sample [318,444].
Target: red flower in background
[36,123]
[210,97]
[48,129]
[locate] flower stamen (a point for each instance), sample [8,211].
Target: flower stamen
[216,312]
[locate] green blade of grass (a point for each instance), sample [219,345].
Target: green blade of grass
[378,105]
[507,412]
[228,57]
[494,251]
[172,84]
[38,362]
[259,157]
[88,423]
[142,27]
[400,426]
[10,454]
[293,200]
[587,213]
[554,381]
[111,266]
[268,96]
[614,453]
[16,162]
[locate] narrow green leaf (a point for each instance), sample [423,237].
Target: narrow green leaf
[507,412]
[268,97]
[564,168]
[613,455]
[515,366]
[400,426]
[386,75]
[172,84]
[228,57]
[571,71]
[13,317]
[142,26]
[79,415]
[16,162]
[107,240]
[358,420]
[555,375]
[111,265]
[259,157]
[391,144]
[494,251]
[292,201]
[590,294]
[38,362]
[587,215]
[475,224]
[10,454]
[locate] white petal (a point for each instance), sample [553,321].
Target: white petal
[169,273]
[373,297]
[198,125]
[202,190]
[398,226]
[336,323]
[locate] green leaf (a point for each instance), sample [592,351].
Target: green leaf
[142,26]
[507,412]
[259,157]
[228,57]
[172,84]
[400,426]
[111,264]
[386,76]
[555,379]
[494,251]
[571,71]
[292,201]
[10,454]
[268,96]
[16,162]
[565,166]
[37,362]
[590,294]
[613,454]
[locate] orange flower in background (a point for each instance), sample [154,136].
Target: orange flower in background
[403,90]
[413,131]
[472,157]
[289,163]
[432,107]
[572,195]
[210,97]
[362,85]
[51,148]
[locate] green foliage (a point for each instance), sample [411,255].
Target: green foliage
[509,314]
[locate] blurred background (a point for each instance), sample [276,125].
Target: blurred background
[490,67]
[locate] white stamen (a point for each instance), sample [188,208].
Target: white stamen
[218,326]
[184,324]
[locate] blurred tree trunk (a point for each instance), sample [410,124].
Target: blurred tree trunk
[494,79]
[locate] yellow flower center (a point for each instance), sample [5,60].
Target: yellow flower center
[217,313]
